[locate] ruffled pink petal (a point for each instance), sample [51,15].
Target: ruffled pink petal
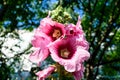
[79,54]
[67,63]
[45,73]
[78,74]
[40,39]
[70,66]
[47,26]
[76,31]
[78,24]
[74,64]
[39,55]
[40,42]
[60,26]
[81,41]
[82,55]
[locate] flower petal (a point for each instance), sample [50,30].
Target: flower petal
[78,75]
[60,26]
[40,39]
[79,55]
[46,25]
[78,24]
[45,73]
[39,55]
[70,66]
[82,55]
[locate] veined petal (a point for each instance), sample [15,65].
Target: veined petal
[76,31]
[82,55]
[76,57]
[78,24]
[39,55]
[49,27]
[40,42]
[45,24]
[45,73]
[81,41]
[78,75]
[60,26]
[74,64]
[70,66]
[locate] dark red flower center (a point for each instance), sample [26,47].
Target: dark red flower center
[66,51]
[71,31]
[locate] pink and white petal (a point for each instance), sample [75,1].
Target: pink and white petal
[39,55]
[46,25]
[74,64]
[40,39]
[78,24]
[37,42]
[82,55]
[81,41]
[70,66]
[60,26]
[46,21]
[34,56]
[54,53]
[78,75]
[40,42]
[45,73]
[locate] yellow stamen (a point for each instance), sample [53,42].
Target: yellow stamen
[64,53]
[56,34]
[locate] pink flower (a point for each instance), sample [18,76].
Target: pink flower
[66,45]
[66,52]
[45,73]
[76,31]
[47,32]
[52,29]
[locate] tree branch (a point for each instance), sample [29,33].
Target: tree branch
[108,62]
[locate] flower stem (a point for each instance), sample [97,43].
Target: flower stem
[60,72]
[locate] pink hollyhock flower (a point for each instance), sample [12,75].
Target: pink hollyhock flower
[45,73]
[47,32]
[66,52]
[52,29]
[76,31]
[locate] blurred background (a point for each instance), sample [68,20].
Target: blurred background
[100,22]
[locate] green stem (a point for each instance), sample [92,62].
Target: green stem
[60,72]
